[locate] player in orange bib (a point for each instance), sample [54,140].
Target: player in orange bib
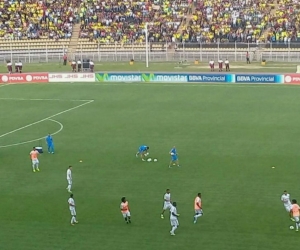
[125,210]
[34,159]
[295,213]
[198,207]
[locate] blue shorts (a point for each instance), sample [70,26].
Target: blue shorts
[174,158]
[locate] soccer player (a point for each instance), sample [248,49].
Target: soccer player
[50,144]
[285,198]
[125,210]
[198,207]
[69,179]
[220,62]
[295,213]
[174,157]
[212,65]
[73,65]
[71,203]
[34,159]
[174,218]
[142,151]
[167,202]
[227,65]
[247,58]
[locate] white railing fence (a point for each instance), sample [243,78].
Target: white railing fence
[234,52]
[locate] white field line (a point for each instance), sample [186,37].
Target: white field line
[225,85]
[25,142]
[47,118]
[28,99]
[3,85]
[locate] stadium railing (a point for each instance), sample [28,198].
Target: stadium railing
[157,52]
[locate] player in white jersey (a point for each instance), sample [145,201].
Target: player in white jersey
[174,218]
[69,179]
[167,202]
[71,203]
[285,198]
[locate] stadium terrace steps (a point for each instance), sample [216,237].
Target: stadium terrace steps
[266,32]
[75,36]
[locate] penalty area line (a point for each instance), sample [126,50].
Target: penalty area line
[47,118]
[25,142]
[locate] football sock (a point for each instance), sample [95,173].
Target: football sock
[173,229]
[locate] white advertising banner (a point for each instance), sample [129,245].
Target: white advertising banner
[72,77]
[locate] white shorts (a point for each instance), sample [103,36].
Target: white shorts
[127,214]
[288,208]
[167,205]
[73,212]
[35,161]
[296,218]
[198,211]
[69,182]
[174,222]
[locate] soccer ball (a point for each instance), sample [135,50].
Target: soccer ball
[292,227]
[149,159]
[155,160]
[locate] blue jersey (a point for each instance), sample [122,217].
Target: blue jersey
[173,153]
[143,148]
[49,140]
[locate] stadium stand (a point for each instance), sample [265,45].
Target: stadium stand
[226,23]
[36,24]
[284,32]
[121,25]
[116,25]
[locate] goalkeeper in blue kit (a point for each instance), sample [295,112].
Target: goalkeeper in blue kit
[142,151]
[50,144]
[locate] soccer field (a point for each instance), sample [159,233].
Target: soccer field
[228,138]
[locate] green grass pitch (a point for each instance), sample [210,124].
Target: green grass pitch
[228,138]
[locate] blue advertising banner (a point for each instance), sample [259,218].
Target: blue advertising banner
[257,78]
[118,77]
[210,78]
[190,78]
[174,78]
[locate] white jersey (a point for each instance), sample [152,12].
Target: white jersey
[173,210]
[285,198]
[226,62]
[220,61]
[78,62]
[69,174]
[91,63]
[211,62]
[71,202]
[73,62]
[167,197]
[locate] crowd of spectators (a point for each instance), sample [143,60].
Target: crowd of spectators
[285,25]
[33,19]
[124,21]
[227,21]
